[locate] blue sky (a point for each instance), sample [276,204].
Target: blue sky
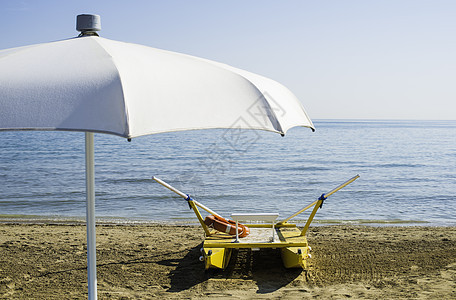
[343,59]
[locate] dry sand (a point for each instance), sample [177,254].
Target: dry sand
[161,261]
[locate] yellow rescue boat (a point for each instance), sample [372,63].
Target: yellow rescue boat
[218,245]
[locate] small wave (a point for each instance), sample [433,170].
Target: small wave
[61,220]
[397,165]
[306,169]
[34,219]
[364,222]
[129,180]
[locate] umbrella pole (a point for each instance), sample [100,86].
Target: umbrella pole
[90,217]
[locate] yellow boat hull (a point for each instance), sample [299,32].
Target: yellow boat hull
[294,257]
[217,258]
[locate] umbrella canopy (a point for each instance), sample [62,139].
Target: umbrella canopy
[99,85]
[93,84]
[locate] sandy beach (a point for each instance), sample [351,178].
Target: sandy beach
[40,261]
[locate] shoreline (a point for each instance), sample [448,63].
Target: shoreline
[157,260]
[69,220]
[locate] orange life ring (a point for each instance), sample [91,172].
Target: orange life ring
[227,226]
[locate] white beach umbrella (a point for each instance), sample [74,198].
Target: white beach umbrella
[93,84]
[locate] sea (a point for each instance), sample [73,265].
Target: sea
[407,174]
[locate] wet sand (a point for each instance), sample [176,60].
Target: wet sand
[161,261]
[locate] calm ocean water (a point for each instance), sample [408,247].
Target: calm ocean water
[407,169]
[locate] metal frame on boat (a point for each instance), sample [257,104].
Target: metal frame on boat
[291,240]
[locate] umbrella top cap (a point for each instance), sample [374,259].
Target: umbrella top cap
[88,24]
